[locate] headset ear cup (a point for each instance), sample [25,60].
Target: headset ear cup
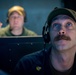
[24,18]
[7,21]
[46,38]
[46,35]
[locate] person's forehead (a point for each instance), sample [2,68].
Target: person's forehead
[61,17]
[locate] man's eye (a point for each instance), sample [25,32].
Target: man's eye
[56,25]
[69,24]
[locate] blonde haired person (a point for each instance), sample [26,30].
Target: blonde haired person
[16,17]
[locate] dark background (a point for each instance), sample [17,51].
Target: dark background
[70,4]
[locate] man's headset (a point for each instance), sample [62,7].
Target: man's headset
[45,33]
[46,28]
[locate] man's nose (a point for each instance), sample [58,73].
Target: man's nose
[62,31]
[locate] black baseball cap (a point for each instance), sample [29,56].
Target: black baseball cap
[61,11]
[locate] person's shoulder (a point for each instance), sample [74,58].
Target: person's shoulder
[30,32]
[35,56]
[38,55]
[3,30]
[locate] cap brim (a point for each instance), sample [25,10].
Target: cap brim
[63,11]
[19,12]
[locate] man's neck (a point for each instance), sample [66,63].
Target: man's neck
[17,32]
[62,61]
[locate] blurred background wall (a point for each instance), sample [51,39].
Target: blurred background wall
[37,11]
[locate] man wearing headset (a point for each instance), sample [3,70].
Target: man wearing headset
[16,18]
[59,59]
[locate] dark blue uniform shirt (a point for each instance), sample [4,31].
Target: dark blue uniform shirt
[37,63]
